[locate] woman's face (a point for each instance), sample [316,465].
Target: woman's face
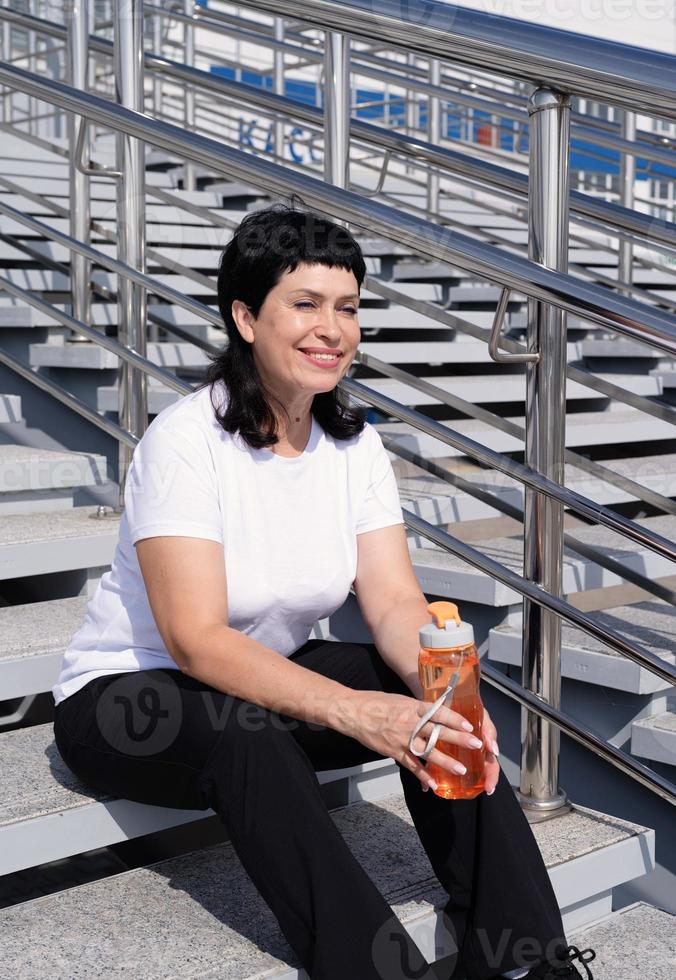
[314,307]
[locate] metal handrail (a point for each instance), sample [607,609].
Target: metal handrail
[609,310]
[517,513]
[468,408]
[463,165]
[383,219]
[600,746]
[623,75]
[371,65]
[530,478]
[498,422]
[455,162]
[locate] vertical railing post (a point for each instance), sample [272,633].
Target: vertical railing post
[157,78]
[336,108]
[433,136]
[6,56]
[278,85]
[411,111]
[627,178]
[548,211]
[130,152]
[189,92]
[77,13]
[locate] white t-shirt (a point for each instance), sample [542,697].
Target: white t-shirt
[288,527]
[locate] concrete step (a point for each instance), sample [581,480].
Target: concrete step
[159,397]
[38,480]
[13,313]
[33,637]
[497,388]
[667,378]
[607,347]
[440,502]
[35,544]
[586,854]
[91,357]
[655,737]
[105,210]
[633,943]
[188,232]
[10,408]
[104,190]
[441,573]
[643,276]
[61,816]
[650,624]
[461,350]
[458,295]
[582,429]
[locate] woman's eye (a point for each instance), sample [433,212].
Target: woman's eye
[304,304]
[351,310]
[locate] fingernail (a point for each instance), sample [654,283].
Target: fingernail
[424,788]
[496,750]
[476,742]
[434,784]
[460,768]
[467,726]
[490,792]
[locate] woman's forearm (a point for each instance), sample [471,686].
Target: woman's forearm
[396,638]
[236,664]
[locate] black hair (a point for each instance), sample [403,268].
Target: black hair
[266,244]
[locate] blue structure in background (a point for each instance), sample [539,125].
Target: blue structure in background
[584,155]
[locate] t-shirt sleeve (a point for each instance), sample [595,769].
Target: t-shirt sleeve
[171,487]
[381,506]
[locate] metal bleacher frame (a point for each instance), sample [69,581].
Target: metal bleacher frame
[623,76]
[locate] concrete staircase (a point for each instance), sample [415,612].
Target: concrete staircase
[55,548]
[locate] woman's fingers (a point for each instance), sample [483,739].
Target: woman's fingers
[490,735]
[491,773]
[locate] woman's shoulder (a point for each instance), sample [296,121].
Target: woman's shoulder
[366,441]
[191,416]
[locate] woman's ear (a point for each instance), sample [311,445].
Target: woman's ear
[244,320]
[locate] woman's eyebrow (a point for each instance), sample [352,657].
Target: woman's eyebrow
[313,292]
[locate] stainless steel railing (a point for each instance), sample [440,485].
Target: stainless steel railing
[551,293]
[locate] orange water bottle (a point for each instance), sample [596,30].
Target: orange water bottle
[449,672]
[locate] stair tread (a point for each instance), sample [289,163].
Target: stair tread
[92,357]
[498,387]
[441,572]
[35,628]
[28,468]
[635,467]
[664,721]
[582,428]
[19,529]
[652,624]
[509,550]
[236,932]
[649,952]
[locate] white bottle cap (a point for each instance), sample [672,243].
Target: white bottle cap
[454,633]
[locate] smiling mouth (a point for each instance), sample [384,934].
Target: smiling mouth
[321,357]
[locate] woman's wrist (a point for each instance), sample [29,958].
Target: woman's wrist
[344,710]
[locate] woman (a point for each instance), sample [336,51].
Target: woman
[173,691]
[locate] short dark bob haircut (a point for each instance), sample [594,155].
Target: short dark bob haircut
[266,244]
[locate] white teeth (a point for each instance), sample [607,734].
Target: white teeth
[321,357]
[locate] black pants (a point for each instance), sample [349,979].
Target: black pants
[161,737]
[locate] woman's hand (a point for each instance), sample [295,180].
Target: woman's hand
[492,766]
[384,722]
